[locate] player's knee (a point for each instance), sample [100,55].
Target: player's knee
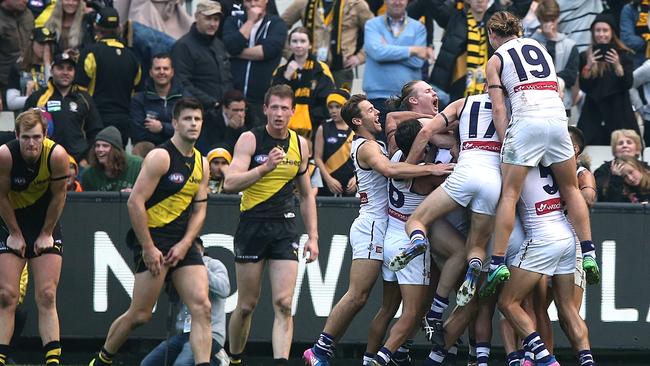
[247,307]
[282,306]
[8,298]
[505,305]
[359,299]
[139,317]
[201,310]
[46,297]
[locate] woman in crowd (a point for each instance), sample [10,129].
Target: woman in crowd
[332,146]
[606,74]
[73,27]
[636,181]
[33,72]
[609,182]
[311,81]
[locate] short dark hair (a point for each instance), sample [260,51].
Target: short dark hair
[162,55]
[406,133]
[577,134]
[282,91]
[186,103]
[351,109]
[232,95]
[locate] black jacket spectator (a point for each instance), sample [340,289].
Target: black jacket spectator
[110,71]
[201,64]
[16,26]
[454,45]
[149,101]
[254,77]
[76,120]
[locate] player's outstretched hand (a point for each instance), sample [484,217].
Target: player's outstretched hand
[441,169]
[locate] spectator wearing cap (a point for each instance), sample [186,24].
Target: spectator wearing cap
[332,147]
[311,81]
[111,72]
[75,118]
[254,41]
[111,168]
[232,119]
[218,158]
[33,71]
[17,24]
[151,109]
[200,59]
[72,183]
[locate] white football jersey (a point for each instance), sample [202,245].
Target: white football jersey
[528,74]
[540,206]
[371,185]
[401,200]
[478,136]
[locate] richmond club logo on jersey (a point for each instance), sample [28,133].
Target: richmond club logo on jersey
[550,205]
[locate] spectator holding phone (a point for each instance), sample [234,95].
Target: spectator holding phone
[606,75]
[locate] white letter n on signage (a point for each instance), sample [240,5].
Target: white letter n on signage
[608,310]
[107,256]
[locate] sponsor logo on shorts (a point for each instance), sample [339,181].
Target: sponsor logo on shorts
[493,146]
[544,207]
[261,159]
[379,250]
[289,215]
[363,197]
[176,178]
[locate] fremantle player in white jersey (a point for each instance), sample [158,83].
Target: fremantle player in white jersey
[372,168]
[549,249]
[474,184]
[522,71]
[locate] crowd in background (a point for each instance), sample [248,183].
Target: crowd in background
[108,77]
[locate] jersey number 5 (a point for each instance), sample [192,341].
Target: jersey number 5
[546,172]
[533,57]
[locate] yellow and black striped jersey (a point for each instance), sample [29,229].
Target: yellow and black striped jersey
[30,183]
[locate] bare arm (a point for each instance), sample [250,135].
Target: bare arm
[371,156]
[307,206]
[6,210]
[497,96]
[587,184]
[393,119]
[431,126]
[59,166]
[155,164]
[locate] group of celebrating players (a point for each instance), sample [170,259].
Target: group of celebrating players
[422,221]
[506,195]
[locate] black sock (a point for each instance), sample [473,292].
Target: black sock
[203,364]
[280,362]
[52,352]
[4,354]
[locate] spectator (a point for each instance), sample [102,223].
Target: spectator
[634,30]
[110,71]
[232,119]
[145,42]
[460,66]
[562,49]
[624,143]
[168,16]
[396,50]
[332,147]
[72,183]
[311,81]
[605,77]
[636,178]
[586,180]
[151,109]
[575,18]
[33,71]
[218,158]
[17,24]
[177,349]
[641,105]
[201,63]
[254,41]
[73,26]
[111,168]
[335,28]
[76,120]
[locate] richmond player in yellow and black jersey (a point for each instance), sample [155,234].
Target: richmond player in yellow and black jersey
[33,170]
[268,163]
[167,208]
